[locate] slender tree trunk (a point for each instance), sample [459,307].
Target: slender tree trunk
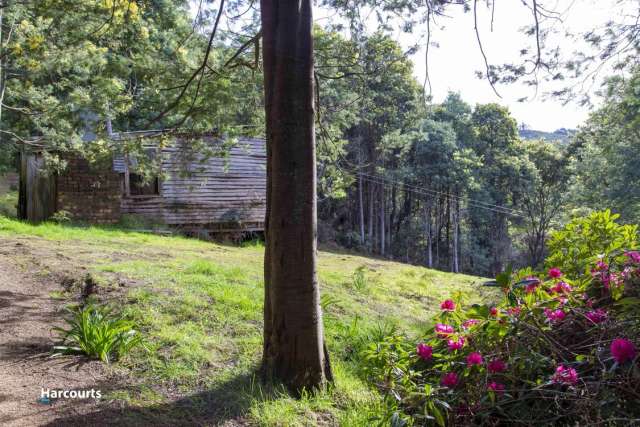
[392,217]
[456,237]
[438,231]
[2,70]
[371,219]
[428,232]
[448,232]
[382,225]
[294,350]
[361,209]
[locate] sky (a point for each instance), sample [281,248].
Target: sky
[453,63]
[456,58]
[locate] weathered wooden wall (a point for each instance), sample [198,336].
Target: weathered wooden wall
[219,193]
[37,200]
[226,193]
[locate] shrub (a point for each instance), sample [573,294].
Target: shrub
[97,332]
[349,240]
[558,349]
[582,240]
[8,205]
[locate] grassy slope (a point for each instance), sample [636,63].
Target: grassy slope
[200,307]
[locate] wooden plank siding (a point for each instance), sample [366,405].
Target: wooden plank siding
[224,193]
[38,195]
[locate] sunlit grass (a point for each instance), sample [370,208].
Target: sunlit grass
[199,306]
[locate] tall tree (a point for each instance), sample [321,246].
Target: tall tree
[606,152]
[294,349]
[500,182]
[544,195]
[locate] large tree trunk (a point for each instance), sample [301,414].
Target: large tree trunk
[294,351]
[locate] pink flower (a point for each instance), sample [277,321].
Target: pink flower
[469,323]
[496,387]
[455,345]
[496,366]
[424,351]
[554,316]
[601,265]
[596,316]
[450,379]
[514,311]
[565,375]
[443,330]
[634,256]
[448,305]
[561,288]
[611,279]
[623,350]
[555,272]
[531,287]
[494,311]
[474,358]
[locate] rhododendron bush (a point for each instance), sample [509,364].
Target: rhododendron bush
[559,348]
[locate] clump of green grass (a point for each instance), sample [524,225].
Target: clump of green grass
[97,332]
[359,280]
[9,204]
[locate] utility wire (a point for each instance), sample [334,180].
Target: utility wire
[431,192]
[441,193]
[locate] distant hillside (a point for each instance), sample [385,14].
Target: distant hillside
[561,135]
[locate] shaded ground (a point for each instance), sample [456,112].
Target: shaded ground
[27,314]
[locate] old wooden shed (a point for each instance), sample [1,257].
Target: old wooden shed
[196,193]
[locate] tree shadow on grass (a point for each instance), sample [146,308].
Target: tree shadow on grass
[223,405]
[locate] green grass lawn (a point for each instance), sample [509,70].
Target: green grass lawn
[199,305]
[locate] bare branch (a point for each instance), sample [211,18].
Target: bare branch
[199,71]
[484,56]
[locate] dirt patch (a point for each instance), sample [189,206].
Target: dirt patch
[37,278]
[28,314]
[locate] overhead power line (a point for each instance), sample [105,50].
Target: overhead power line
[425,191]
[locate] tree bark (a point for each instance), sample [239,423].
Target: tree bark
[294,350]
[456,237]
[382,225]
[392,219]
[428,232]
[361,209]
[371,218]
[448,232]
[438,231]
